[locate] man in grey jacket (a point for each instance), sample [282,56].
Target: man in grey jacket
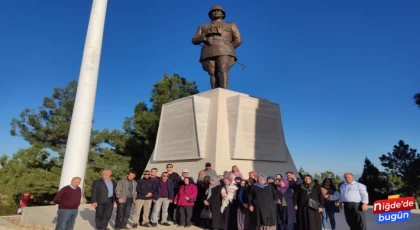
[126,194]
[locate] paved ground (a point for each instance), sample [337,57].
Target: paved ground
[11,223]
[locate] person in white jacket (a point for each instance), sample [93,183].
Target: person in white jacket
[331,195]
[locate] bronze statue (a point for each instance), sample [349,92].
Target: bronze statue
[218,51]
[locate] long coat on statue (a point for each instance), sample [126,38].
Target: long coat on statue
[308,218]
[225,44]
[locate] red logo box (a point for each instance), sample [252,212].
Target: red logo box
[393,205]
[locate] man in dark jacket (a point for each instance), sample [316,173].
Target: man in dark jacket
[172,207]
[103,198]
[162,197]
[145,188]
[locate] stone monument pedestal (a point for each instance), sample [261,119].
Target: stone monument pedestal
[224,128]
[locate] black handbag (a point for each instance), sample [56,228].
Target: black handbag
[314,204]
[336,209]
[206,213]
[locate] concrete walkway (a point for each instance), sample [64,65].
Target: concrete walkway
[45,216]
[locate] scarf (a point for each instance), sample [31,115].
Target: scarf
[265,182]
[286,186]
[308,187]
[211,186]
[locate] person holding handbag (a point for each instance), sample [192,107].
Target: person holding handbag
[213,203]
[185,199]
[309,202]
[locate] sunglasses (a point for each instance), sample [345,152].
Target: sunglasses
[146,174]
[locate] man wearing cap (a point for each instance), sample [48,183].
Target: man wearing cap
[180,180]
[220,39]
[209,172]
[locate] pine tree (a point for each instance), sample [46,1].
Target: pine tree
[402,163]
[374,180]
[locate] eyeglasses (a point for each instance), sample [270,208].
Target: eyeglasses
[146,174]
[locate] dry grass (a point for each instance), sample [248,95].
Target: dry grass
[16,221]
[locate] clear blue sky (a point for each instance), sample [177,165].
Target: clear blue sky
[343,72]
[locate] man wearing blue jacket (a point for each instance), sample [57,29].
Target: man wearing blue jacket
[163,195]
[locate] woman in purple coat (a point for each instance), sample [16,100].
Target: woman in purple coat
[286,216]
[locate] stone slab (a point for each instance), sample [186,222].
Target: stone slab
[255,129]
[182,130]
[225,128]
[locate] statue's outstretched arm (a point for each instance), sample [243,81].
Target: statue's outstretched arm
[199,37]
[236,36]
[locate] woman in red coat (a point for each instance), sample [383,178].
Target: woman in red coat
[185,200]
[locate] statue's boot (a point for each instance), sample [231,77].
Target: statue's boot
[213,81]
[224,79]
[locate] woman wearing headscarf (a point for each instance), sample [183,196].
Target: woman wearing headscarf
[263,199]
[309,202]
[228,201]
[286,214]
[331,195]
[214,200]
[253,175]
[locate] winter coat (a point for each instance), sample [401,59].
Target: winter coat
[189,191]
[145,186]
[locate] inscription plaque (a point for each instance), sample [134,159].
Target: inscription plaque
[182,128]
[255,130]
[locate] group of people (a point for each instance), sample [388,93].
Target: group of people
[226,202]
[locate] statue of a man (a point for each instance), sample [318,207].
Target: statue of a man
[218,52]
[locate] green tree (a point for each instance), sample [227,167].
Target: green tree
[30,170]
[46,129]
[48,126]
[374,180]
[139,138]
[417,99]
[401,162]
[37,169]
[394,184]
[302,172]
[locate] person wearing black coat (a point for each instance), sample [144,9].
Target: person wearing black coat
[214,200]
[263,199]
[308,216]
[145,189]
[103,198]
